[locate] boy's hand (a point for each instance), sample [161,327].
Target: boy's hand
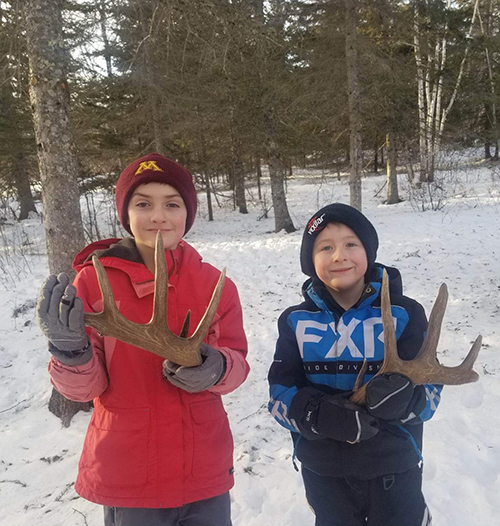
[393,396]
[339,419]
[200,378]
[60,314]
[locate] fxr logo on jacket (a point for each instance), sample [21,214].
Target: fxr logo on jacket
[320,337]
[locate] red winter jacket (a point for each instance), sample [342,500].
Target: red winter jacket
[150,444]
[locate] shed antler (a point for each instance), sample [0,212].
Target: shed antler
[154,336]
[425,367]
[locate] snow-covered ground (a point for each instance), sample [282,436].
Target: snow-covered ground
[459,245]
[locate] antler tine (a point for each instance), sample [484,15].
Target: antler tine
[361,376]
[161,284]
[431,340]
[108,298]
[391,358]
[468,363]
[204,325]
[185,326]
[96,321]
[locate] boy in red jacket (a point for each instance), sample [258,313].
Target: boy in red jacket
[158,449]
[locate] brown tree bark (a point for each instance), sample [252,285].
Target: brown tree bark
[49,96]
[239,179]
[238,167]
[351,8]
[56,159]
[258,169]
[277,173]
[277,167]
[204,165]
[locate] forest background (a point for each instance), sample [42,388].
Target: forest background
[225,87]
[276,107]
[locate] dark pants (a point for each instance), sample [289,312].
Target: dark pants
[209,512]
[391,500]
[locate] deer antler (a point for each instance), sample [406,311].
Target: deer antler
[154,336]
[425,367]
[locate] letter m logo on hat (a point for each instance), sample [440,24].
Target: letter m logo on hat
[148,165]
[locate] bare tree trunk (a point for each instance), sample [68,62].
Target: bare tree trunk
[101,6]
[282,219]
[21,181]
[205,170]
[408,158]
[491,117]
[239,181]
[431,63]
[422,124]
[155,116]
[206,178]
[259,177]
[57,162]
[66,409]
[148,74]
[238,170]
[258,6]
[50,102]
[392,174]
[352,7]
[277,167]
[277,173]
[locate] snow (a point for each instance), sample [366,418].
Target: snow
[458,244]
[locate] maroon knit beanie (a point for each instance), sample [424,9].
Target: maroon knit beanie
[154,168]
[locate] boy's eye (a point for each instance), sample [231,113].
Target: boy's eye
[327,247]
[352,244]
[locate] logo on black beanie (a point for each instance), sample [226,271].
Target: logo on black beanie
[315,224]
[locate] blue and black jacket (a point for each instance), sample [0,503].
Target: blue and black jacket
[322,347]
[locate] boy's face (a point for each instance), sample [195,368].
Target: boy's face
[153,207]
[339,258]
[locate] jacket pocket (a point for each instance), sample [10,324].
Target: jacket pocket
[115,452]
[212,441]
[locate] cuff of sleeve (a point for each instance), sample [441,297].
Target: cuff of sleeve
[224,368]
[72,358]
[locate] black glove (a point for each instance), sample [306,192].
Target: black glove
[338,418]
[394,397]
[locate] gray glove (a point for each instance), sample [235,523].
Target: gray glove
[60,315]
[196,379]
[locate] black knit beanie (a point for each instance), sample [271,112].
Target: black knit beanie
[338,213]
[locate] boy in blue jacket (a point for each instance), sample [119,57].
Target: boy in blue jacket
[361,465]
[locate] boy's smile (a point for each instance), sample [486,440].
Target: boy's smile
[156,207]
[340,262]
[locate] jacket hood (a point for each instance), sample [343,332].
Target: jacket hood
[315,290]
[115,252]
[97,248]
